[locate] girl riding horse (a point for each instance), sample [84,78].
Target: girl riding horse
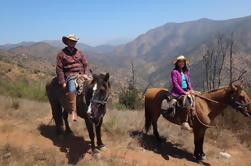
[181,84]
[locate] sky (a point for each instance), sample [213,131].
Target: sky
[98,22]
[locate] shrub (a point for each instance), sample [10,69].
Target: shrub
[23,89]
[130,98]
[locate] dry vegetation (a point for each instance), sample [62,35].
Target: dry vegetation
[19,82]
[27,138]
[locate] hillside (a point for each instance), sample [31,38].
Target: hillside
[151,52]
[154,50]
[41,56]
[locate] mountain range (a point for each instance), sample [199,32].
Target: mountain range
[153,51]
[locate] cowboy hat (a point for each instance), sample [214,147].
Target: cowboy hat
[69,37]
[181,57]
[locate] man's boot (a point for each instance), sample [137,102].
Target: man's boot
[71,96]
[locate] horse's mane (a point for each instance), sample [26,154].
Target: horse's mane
[214,90]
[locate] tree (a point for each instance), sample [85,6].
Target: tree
[231,43]
[214,60]
[130,96]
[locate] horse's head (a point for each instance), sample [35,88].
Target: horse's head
[240,100]
[100,90]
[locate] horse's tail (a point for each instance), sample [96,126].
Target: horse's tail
[148,119]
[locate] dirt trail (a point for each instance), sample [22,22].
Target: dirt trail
[75,149]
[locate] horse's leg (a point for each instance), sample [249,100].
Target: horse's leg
[89,126]
[155,126]
[199,133]
[68,130]
[57,116]
[98,135]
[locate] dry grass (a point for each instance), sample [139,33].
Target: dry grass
[121,131]
[107,161]
[16,156]
[22,109]
[231,128]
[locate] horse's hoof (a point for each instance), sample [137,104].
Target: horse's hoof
[204,157]
[95,151]
[102,147]
[200,157]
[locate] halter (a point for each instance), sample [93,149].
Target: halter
[102,102]
[95,101]
[242,105]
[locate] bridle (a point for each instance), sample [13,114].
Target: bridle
[234,102]
[237,105]
[97,101]
[242,105]
[102,102]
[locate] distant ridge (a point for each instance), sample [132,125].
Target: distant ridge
[153,51]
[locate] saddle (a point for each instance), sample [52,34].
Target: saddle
[186,102]
[183,102]
[81,83]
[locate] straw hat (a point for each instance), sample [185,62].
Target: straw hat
[181,57]
[69,37]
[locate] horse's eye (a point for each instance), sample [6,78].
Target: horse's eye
[105,86]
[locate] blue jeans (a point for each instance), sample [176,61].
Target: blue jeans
[70,83]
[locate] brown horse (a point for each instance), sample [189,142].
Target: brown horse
[207,107]
[94,100]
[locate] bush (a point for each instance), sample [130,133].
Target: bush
[130,98]
[23,89]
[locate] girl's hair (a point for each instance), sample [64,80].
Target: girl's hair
[184,69]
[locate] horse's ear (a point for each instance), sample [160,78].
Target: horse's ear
[237,84]
[95,76]
[242,84]
[107,76]
[233,87]
[91,71]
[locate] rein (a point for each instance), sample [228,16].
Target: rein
[216,102]
[211,100]
[239,105]
[206,125]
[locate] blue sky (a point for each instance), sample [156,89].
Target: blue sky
[104,21]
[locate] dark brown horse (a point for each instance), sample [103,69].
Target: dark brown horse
[207,107]
[94,100]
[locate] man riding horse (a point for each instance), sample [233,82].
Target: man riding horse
[70,63]
[72,91]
